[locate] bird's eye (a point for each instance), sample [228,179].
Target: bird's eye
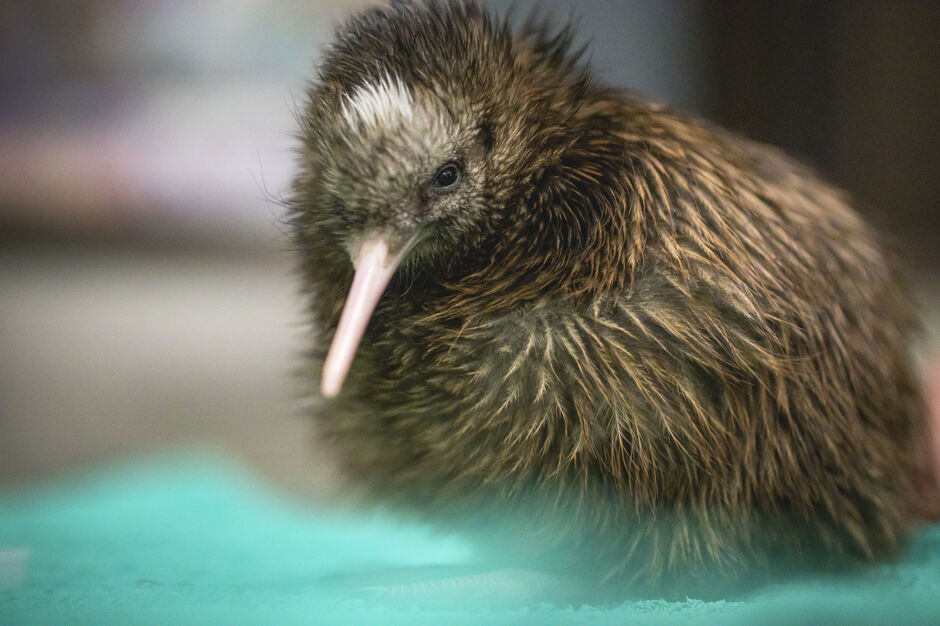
[447,177]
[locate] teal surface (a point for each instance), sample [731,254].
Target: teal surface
[195,540]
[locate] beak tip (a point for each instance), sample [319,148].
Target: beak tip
[330,387]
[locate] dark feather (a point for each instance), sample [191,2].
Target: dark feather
[680,348]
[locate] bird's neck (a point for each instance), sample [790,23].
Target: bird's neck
[568,237]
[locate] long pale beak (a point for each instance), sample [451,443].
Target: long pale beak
[373,271]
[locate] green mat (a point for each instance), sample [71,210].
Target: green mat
[194,540]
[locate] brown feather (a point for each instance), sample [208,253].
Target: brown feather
[680,349]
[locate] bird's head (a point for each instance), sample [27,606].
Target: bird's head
[427,124]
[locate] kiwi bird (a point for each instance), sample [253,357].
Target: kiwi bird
[657,346]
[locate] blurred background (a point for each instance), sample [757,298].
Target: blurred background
[146,295]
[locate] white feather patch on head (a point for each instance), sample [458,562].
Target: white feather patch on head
[382,102]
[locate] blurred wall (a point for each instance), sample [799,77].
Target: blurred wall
[152,121]
[852,87]
[146,299]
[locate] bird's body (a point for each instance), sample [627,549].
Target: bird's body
[674,348]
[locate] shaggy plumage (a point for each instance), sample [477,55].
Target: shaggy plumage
[650,344]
